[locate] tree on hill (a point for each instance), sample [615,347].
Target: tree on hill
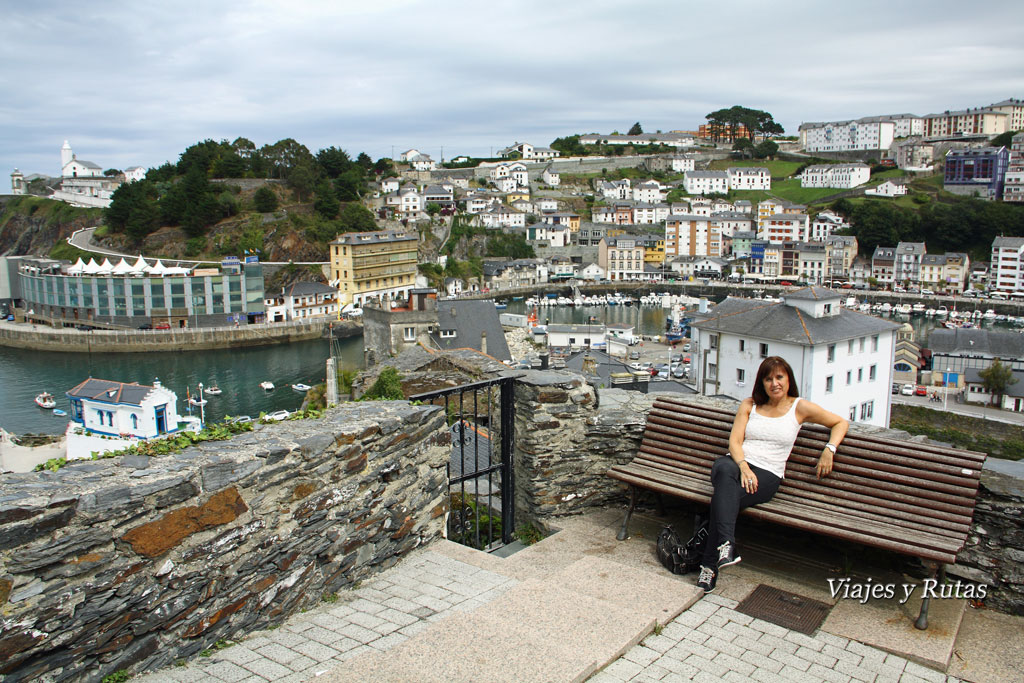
[996,379]
[1003,139]
[636,129]
[766,149]
[725,123]
[326,203]
[265,200]
[356,218]
[744,146]
[302,179]
[333,161]
[569,146]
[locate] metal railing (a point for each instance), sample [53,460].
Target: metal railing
[481,418]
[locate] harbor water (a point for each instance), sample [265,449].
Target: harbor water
[238,373]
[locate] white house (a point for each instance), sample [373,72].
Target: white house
[389,185]
[500,216]
[546,204]
[826,223]
[749,178]
[783,227]
[614,189]
[422,162]
[706,182]
[134,173]
[888,189]
[516,171]
[603,214]
[410,202]
[681,163]
[123,413]
[841,176]
[301,301]
[592,272]
[550,235]
[550,176]
[648,192]
[576,336]
[842,360]
[527,151]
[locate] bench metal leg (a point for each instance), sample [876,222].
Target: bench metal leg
[922,618]
[624,531]
[659,504]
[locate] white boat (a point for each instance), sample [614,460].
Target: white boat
[60,413]
[918,308]
[213,391]
[930,312]
[904,308]
[989,314]
[197,401]
[942,311]
[267,385]
[301,387]
[45,400]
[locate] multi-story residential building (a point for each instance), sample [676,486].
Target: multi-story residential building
[784,227]
[654,249]
[614,189]
[944,272]
[883,265]
[1007,264]
[498,215]
[977,121]
[566,218]
[691,236]
[812,262]
[868,133]
[976,171]
[603,214]
[826,223]
[741,241]
[757,256]
[840,252]
[373,265]
[835,175]
[548,235]
[591,234]
[442,195]
[648,192]
[749,178]
[516,171]
[1014,110]
[511,273]
[915,153]
[743,206]
[706,182]
[622,258]
[301,301]
[730,222]
[550,176]
[907,264]
[1013,188]
[841,359]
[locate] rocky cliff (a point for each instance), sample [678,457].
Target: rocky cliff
[33,225]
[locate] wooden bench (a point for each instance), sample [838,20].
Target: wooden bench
[910,498]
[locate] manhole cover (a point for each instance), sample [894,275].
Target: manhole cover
[787,610]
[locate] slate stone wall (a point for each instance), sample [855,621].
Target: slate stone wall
[134,562]
[568,435]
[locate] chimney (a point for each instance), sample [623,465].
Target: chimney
[483,342]
[156,382]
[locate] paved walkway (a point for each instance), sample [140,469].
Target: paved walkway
[710,641]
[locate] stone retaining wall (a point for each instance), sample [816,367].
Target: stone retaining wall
[568,435]
[42,338]
[133,562]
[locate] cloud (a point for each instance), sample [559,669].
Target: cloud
[136,83]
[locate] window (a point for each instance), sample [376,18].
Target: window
[874,342]
[867,410]
[862,344]
[853,413]
[849,377]
[741,375]
[872,372]
[831,353]
[409,334]
[713,341]
[135,421]
[445,334]
[828,384]
[850,348]
[764,350]
[712,371]
[860,374]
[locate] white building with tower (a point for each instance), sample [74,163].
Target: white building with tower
[83,183]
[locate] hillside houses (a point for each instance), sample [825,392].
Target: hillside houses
[840,176]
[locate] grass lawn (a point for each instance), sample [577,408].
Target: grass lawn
[791,190]
[779,169]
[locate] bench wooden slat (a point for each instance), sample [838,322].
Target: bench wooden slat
[915,499]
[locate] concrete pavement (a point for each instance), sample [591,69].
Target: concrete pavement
[581,605]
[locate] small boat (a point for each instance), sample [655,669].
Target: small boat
[213,391]
[301,387]
[45,400]
[60,413]
[500,306]
[197,401]
[267,385]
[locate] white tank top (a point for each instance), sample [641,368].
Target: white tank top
[768,441]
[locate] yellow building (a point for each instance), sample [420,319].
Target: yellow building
[517,196]
[373,265]
[654,250]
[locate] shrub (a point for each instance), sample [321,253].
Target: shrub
[387,387]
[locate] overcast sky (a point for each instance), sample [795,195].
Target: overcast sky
[135,83]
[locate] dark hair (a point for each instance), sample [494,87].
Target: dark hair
[768,366]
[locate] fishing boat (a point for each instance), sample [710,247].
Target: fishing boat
[213,391]
[267,385]
[45,400]
[500,305]
[197,401]
[301,387]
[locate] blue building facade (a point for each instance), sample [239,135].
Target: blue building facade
[978,171]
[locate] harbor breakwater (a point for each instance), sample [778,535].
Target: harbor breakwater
[42,338]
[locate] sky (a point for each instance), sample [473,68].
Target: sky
[135,83]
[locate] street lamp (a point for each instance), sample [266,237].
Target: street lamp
[202,407]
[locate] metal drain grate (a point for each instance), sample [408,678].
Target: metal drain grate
[787,610]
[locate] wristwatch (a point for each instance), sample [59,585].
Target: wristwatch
[831,447]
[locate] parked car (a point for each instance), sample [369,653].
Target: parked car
[241,419]
[162,326]
[680,372]
[678,357]
[895,388]
[634,355]
[927,291]
[145,326]
[921,390]
[277,416]
[686,347]
[907,390]
[636,366]
[786,283]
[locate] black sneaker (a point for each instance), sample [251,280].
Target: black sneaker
[727,555]
[707,579]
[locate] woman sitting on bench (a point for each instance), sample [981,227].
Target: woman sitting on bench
[763,434]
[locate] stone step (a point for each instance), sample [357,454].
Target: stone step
[562,627]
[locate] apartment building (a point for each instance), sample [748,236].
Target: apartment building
[1007,264]
[868,133]
[977,121]
[749,178]
[976,171]
[1013,186]
[690,235]
[840,252]
[706,182]
[784,227]
[842,176]
[373,265]
[622,258]
[883,264]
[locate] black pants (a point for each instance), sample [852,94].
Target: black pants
[728,499]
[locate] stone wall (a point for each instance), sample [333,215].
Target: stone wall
[132,562]
[43,338]
[568,435]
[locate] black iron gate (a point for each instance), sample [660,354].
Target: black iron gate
[481,485]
